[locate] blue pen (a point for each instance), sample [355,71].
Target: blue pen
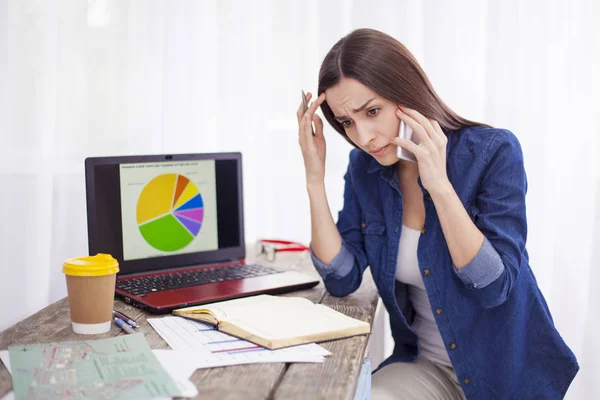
[125,318]
[123,325]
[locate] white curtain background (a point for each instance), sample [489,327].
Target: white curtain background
[107,77]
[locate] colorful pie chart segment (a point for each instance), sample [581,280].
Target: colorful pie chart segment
[170,212]
[194,202]
[195,214]
[182,183]
[192,226]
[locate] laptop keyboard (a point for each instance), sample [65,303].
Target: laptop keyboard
[149,284]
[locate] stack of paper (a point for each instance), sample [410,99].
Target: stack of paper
[195,345]
[215,349]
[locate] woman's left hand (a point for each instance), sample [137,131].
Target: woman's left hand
[431,150]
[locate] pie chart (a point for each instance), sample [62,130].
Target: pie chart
[169,212]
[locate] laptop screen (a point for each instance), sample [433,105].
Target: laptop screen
[158,212]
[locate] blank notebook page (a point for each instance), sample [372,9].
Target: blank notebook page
[282,317]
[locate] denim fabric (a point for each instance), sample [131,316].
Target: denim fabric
[492,316]
[484,269]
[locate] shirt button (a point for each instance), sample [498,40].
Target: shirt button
[438,311]
[426,272]
[467,381]
[423,232]
[452,346]
[363,225]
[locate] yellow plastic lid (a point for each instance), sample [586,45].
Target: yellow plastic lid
[98,265]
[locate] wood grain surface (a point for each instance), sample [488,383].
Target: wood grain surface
[336,378]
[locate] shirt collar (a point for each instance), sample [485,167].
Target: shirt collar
[387,172]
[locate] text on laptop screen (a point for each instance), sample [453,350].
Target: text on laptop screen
[168,208]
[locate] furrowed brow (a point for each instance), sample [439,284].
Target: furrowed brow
[359,109]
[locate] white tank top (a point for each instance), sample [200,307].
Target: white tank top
[407,271]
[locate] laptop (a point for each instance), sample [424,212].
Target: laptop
[175,223]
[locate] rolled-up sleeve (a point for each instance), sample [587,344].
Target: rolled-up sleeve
[501,217]
[339,267]
[484,269]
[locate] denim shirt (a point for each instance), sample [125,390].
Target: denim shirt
[496,325]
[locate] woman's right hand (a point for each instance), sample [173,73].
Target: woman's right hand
[313,147]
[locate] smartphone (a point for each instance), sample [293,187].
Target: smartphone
[305,107]
[405,132]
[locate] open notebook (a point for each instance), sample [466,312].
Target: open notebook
[275,322]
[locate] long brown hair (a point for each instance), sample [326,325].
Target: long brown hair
[384,65]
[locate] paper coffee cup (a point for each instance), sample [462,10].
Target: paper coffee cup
[91,290]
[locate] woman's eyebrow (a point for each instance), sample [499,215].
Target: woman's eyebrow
[359,109]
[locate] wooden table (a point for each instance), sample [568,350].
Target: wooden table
[335,379]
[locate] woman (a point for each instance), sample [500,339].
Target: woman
[444,237]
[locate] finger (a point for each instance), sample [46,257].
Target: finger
[319,126]
[300,111]
[443,140]
[316,104]
[421,120]
[417,128]
[408,145]
[308,115]
[305,127]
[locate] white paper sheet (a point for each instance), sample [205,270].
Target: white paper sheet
[214,348]
[9,396]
